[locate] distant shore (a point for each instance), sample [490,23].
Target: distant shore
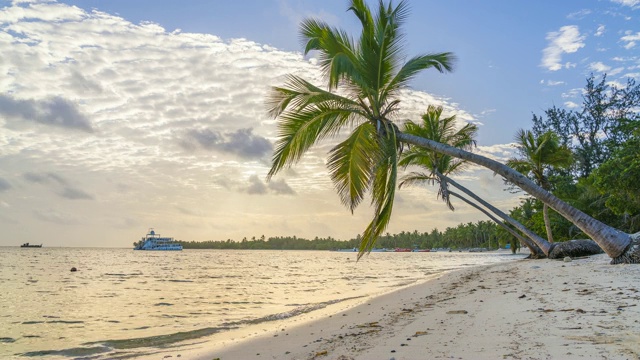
[527,309]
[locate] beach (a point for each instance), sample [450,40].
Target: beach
[526,309]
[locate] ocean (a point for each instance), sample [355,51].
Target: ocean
[125,304]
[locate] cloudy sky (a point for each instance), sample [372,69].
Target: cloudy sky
[117,116]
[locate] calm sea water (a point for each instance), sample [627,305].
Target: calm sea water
[125,304]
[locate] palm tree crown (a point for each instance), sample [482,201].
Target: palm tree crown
[539,154]
[442,130]
[368,72]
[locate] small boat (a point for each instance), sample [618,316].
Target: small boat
[27,245]
[346,250]
[153,241]
[402,250]
[421,250]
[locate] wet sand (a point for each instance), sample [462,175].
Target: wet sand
[527,309]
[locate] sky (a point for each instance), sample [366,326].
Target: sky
[118,116]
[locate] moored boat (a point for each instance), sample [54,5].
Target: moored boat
[153,241]
[27,245]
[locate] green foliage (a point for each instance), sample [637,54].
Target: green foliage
[617,181]
[539,155]
[470,235]
[443,130]
[598,127]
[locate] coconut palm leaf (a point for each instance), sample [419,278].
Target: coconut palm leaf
[351,163]
[382,191]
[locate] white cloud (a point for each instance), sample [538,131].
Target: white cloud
[565,41]
[553,82]
[579,14]
[630,39]
[600,31]
[571,105]
[630,3]
[599,67]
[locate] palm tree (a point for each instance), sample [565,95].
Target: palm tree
[442,130]
[540,154]
[369,73]
[440,167]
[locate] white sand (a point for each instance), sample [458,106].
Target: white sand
[529,309]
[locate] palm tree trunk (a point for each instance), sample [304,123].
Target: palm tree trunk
[615,243]
[547,222]
[544,245]
[535,250]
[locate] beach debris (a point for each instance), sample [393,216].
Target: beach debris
[567,259]
[371,324]
[73,269]
[420,333]
[321,353]
[522,296]
[457,312]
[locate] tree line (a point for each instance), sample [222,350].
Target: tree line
[481,234]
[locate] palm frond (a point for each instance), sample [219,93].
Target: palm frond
[351,164]
[337,57]
[382,191]
[297,94]
[443,62]
[298,131]
[417,178]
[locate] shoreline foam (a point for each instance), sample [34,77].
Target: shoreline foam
[528,309]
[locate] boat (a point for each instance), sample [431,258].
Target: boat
[346,250]
[153,241]
[402,250]
[27,245]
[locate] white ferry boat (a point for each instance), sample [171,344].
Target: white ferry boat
[153,241]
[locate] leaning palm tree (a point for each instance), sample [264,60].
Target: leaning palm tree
[440,167]
[539,155]
[535,251]
[369,73]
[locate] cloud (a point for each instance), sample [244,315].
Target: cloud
[55,111]
[258,187]
[498,152]
[56,217]
[630,39]
[552,82]
[630,3]
[4,185]
[600,31]
[44,178]
[61,186]
[571,105]
[280,187]
[565,41]
[74,194]
[241,142]
[599,67]
[579,14]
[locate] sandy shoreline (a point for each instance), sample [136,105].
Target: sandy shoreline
[528,309]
